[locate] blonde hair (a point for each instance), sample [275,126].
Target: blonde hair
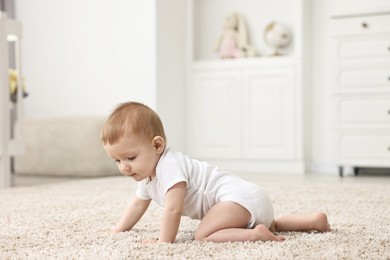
[131,118]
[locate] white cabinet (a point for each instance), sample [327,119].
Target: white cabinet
[246,114]
[361,92]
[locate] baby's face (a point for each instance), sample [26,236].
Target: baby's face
[135,156]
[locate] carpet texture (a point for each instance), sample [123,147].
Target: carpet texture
[68,221]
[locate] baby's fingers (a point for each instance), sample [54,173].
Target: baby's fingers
[149,241]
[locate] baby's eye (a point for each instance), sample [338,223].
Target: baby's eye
[117,161]
[131,158]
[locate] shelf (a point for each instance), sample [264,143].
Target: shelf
[10,35]
[206,23]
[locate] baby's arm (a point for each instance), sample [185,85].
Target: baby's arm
[133,213]
[173,208]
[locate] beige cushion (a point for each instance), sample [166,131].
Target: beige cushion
[64,147]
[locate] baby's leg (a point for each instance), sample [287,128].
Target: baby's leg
[316,221]
[227,221]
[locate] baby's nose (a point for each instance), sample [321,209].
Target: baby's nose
[124,166]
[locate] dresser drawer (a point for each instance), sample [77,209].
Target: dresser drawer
[344,8]
[364,79]
[365,111]
[361,25]
[363,49]
[365,147]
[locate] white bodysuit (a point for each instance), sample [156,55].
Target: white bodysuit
[206,186]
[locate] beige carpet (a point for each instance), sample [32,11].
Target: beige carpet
[68,221]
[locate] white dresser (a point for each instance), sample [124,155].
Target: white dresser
[361,89]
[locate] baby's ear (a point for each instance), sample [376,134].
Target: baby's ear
[159,144]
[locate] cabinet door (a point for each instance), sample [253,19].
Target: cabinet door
[269,112]
[214,114]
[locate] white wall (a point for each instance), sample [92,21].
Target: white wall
[171,71]
[320,138]
[84,57]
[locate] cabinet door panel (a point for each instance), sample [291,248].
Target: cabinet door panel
[268,114]
[215,118]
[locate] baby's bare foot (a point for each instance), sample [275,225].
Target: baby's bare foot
[321,223]
[262,233]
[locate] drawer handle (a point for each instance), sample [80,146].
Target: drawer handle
[365,25]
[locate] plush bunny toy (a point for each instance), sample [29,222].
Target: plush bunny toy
[233,42]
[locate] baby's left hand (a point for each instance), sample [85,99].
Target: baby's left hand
[113,230]
[149,241]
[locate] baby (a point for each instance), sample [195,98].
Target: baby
[230,209]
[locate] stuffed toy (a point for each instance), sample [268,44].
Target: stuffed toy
[13,85]
[233,42]
[277,36]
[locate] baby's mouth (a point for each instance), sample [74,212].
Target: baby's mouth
[130,174]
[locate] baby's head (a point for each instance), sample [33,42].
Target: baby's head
[132,118]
